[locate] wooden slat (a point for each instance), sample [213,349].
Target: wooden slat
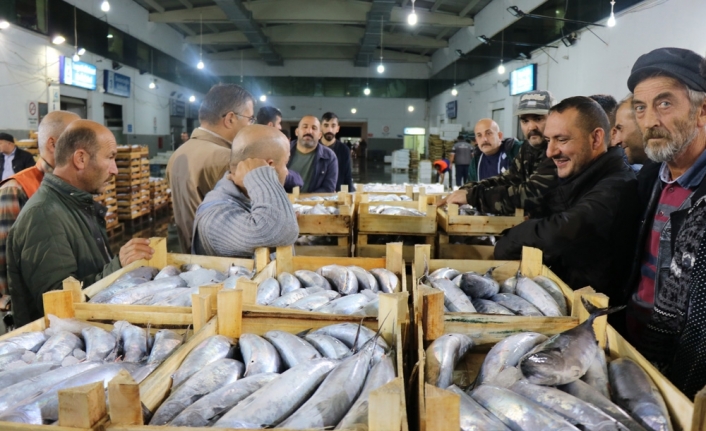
[59,303]
[385,407]
[489,329]
[82,406]
[441,409]
[124,399]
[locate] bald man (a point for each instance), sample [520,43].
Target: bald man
[248,208]
[493,154]
[313,167]
[60,232]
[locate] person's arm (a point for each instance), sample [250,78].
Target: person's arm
[452,156]
[329,183]
[12,199]
[293,180]
[230,230]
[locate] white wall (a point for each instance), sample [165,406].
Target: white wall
[588,67]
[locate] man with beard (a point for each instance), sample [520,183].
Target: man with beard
[531,174]
[667,295]
[591,212]
[312,166]
[330,127]
[493,155]
[626,134]
[60,232]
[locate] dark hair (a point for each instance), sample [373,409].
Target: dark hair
[609,105]
[591,115]
[329,116]
[268,114]
[6,137]
[72,140]
[221,99]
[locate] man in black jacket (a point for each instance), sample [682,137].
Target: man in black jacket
[329,129]
[587,235]
[13,159]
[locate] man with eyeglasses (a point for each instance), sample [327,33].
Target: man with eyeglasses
[196,166]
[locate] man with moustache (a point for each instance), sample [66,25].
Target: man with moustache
[626,134]
[667,294]
[493,155]
[312,166]
[588,231]
[531,175]
[329,128]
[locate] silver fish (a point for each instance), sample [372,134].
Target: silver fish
[517,412]
[16,375]
[554,290]
[507,353]
[311,279]
[288,282]
[314,289]
[168,271]
[190,267]
[475,417]
[9,358]
[292,349]
[165,342]
[342,278]
[234,269]
[315,300]
[210,406]
[133,340]
[537,296]
[146,272]
[372,308]
[449,273]
[267,291]
[58,347]
[232,281]
[487,306]
[565,357]
[278,399]
[161,297]
[387,280]
[208,351]
[57,325]
[201,277]
[366,280]
[134,294]
[635,391]
[290,298]
[454,298]
[508,286]
[442,355]
[597,374]
[99,343]
[348,333]
[22,342]
[345,305]
[517,305]
[479,286]
[382,373]
[217,374]
[259,355]
[115,288]
[328,346]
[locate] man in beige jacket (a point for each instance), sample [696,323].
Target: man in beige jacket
[196,166]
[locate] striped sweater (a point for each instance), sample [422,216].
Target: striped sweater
[229,223]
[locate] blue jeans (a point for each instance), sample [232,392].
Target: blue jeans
[461,175]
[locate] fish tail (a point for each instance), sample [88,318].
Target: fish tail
[596,312]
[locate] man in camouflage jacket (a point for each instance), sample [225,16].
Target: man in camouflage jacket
[531,175]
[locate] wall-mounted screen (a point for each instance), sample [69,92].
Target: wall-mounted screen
[523,79]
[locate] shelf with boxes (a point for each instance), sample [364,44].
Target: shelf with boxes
[132,184]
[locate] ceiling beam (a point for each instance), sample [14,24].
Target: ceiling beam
[471,4]
[379,14]
[322,53]
[443,33]
[436,5]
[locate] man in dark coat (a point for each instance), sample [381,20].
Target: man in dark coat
[13,159]
[329,129]
[313,167]
[587,234]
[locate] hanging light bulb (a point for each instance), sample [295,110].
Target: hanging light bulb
[81,51]
[611,20]
[366,91]
[353,110]
[412,18]
[454,92]
[76,57]
[263,98]
[501,68]
[410,108]
[4,24]
[381,68]
[200,65]
[110,35]
[153,85]
[58,39]
[192,99]
[105,6]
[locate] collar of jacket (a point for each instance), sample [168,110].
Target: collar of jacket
[207,135]
[611,160]
[321,152]
[80,198]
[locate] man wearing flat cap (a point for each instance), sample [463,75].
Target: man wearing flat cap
[666,314]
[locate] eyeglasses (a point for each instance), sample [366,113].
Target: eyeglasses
[251,120]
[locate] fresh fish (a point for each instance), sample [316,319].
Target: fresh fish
[288,282]
[290,298]
[449,273]
[57,324]
[315,289]
[517,412]
[480,286]
[208,351]
[180,298]
[347,305]
[99,343]
[369,294]
[597,374]
[134,294]
[487,306]
[217,374]
[328,346]
[454,298]
[190,267]
[27,341]
[335,396]
[311,279]
[575,411]
[387,280]
[586,392]
[351,333]
[366,280]
[278,399]
[517,305]
[292,349]
[58,347]
[457,280]
[634,391]
[165,342]
[146,272]
[115,288]
[259,355]
[554,290]
[161,297]
[133,340]
[382,373]
[209,407]
[16,375]
[372,308]
[442,355]
[565,357]
[167,271]
[342,278]
[537,296]
[232,281]
[10,358]
[234,269]
[507,353]
[201,277]
[475,417]
[508,286]
[267,291]
[315,300]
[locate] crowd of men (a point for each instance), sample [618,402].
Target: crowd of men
[613,193]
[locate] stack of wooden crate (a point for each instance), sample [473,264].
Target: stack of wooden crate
[108,199]
[132,202]
[30,145]
[158,194]
[145,180]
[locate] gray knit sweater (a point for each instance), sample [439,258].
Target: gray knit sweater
[228,223]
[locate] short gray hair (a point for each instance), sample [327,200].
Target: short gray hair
[221,99]
[52,126]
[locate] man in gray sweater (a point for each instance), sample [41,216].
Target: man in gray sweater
[248,208]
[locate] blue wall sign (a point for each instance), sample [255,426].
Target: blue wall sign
[115,83]
[77,73]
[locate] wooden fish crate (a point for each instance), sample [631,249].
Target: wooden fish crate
[438,409]
[387,406]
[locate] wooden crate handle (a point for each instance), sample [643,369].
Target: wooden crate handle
[392,313]
[74,286]
[83,406]
[262,258]
[230,313]
[385,407]
[394,260]
[531,263]
[124,400]
[432,312]
[212,290]
[422,259]
[284,259]
[201,310]
[60,303]
[442,409]
[249,289]
[159,258]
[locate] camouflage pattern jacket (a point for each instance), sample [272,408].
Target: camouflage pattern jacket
[531,175]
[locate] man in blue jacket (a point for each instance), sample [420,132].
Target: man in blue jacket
[312,166]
